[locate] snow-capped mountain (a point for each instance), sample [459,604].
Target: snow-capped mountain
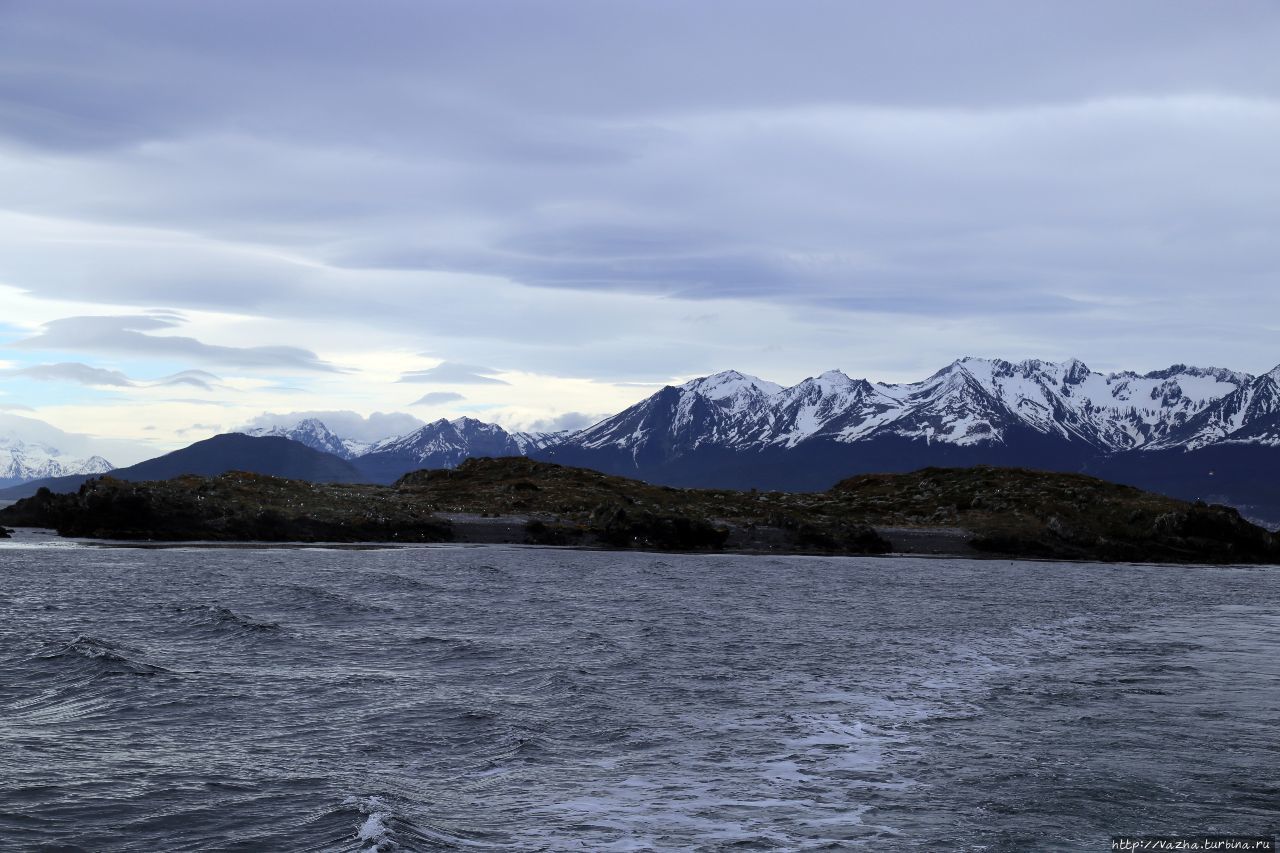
[715,410]
[22,461]
[1032,412]
[972,402]
[979,401]
[445,444]
[531,442]
[1248,415]
[442,444]
[731,429]
[1188,431]
[314,434]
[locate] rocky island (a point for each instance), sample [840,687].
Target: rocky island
[967,511]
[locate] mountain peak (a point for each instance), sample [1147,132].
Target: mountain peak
[835,377]
[440,444]
[310,432]
[95,465]
[1218,373]
[1075,371]
[729,383]
[969,364]
[25,461]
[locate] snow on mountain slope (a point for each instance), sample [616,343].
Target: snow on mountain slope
[673,415]
[442,444]
[977,401]
[829,403]
[445,443]
[1144,411]
[1112,412]
[529,442]
[957,405]
[736,392]
[312,433]
[1248,415]
[971,402]
[355,448]
[22,461]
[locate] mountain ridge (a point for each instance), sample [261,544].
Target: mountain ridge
[970,402]
[1189,431]
[267,455]
[1038,414]
[23,461]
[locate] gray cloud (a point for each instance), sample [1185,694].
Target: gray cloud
[73,444]
[451,373]
[415,75]
[69,371]
[196,401]
[201,379]
[347,424]
[128,335]
[202,374]
[84,374]
[532,183]
[435,398]
[566,421]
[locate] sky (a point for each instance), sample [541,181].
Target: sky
[538,212]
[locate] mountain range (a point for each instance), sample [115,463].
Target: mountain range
[314,434]
[272,455]
[1034,413]
[1190,432]
[21,461]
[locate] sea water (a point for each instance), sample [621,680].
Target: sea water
[526,699]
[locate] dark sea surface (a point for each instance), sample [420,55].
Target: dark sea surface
[503,698]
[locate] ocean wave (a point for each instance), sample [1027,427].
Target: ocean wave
[394,581]
[375,831]
[107,658]
[446,649]
[215,616]
[491,572]
[383,827]
[328,601]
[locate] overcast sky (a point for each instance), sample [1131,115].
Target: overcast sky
[534,212]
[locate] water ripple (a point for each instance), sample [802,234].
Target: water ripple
[515,699]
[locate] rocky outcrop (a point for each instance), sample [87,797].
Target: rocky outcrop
[1026,513]
[983,511]
[231,507]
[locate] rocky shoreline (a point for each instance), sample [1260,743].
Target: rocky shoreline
[979,511]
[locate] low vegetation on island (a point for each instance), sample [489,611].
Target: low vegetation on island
[981,511]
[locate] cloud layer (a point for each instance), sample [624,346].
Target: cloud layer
[308,196]
[437,398]
[130,335]
[452,373]
[69,371]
